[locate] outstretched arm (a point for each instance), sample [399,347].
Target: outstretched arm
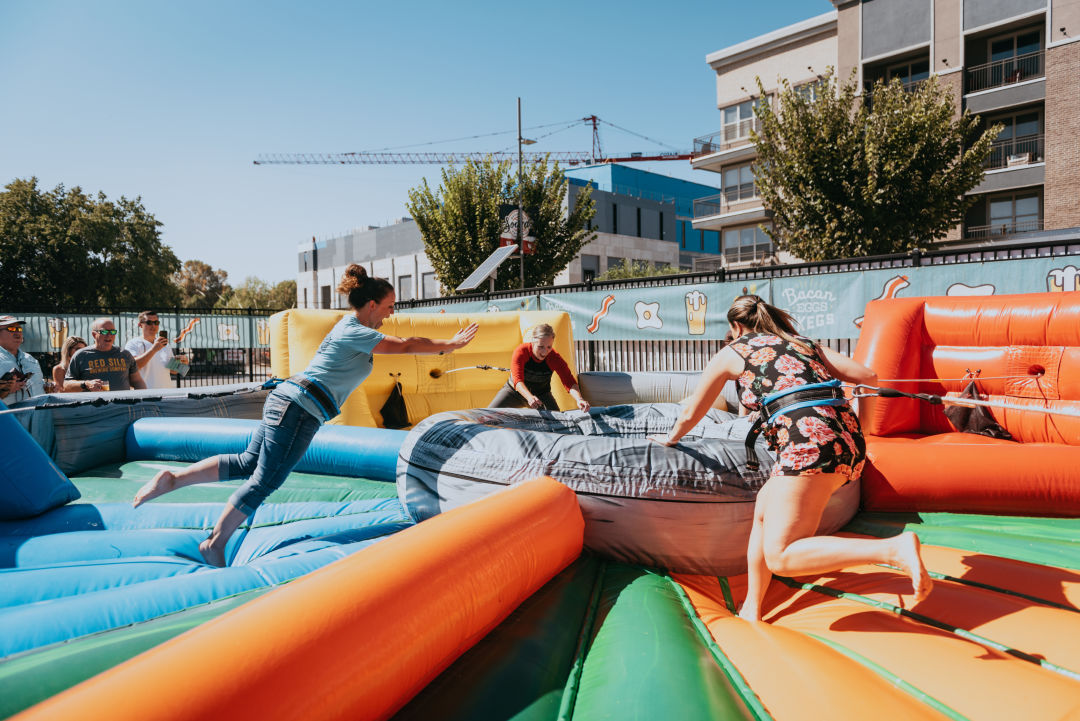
[724,366]
[417,344]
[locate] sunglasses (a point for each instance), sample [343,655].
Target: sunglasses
[13,328]
[151,322]
[106,332]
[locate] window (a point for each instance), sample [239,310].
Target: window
[682,228]
[809,91]
[701,240]
[1014,213]
[305,298]
[743,245]
[429,285]
[910,72]
[661,225]
[325,292]
[1020,140]
[738,120]
[615,218]
[614,262]
[1015,57]
[638,222]
[739,183]
[405,287]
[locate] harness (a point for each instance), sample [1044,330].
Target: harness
[317,393]
[828,393]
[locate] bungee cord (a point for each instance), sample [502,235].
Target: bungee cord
[439,373]
[866,391]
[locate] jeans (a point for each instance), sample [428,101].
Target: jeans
[508,397]
[275,449]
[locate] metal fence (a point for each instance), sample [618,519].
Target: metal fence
[999,73]
[221,345]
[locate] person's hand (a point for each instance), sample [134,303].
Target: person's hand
[583,405]
[664,440]
[159,343]
[536,403]
[464,336]
[17,384]
[95,384]
[6,387]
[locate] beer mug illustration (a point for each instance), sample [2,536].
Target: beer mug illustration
[696,305]
[262,325]
[57,332]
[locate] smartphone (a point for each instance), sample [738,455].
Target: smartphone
[163,334]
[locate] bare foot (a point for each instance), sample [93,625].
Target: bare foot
[908,558]
[161,484]
[750,613]
[214,556]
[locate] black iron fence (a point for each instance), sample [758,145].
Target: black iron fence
[220,345]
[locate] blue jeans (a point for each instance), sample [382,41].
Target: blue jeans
[275,449]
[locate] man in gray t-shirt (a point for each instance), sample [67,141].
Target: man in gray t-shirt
[102,366]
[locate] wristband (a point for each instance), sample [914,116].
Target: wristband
[84,386]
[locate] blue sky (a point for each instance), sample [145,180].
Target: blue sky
[173,101]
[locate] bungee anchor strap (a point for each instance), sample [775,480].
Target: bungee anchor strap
[828,393]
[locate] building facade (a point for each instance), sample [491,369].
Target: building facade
[1013,62]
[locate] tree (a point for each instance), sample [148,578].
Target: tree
[256,293]
[637,269]
[200,285]
[66,250]
[460,222]
[846,177]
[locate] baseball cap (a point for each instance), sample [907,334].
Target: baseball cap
[10,320]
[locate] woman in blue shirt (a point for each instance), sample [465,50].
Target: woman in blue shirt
[297,407]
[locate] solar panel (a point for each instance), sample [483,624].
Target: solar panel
[488,267]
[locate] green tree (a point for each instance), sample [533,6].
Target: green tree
[200,285]
[65,249]
[460,222]
[257,293]
[847,178]
[637,269]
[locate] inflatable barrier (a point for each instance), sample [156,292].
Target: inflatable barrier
[687,508]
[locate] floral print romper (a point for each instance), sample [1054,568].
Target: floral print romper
[818,439]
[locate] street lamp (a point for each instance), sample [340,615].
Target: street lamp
[521,212]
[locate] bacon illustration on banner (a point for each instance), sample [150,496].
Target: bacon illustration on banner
[605,306]
[187,329]
[892,286]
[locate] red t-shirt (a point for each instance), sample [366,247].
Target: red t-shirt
[536,374]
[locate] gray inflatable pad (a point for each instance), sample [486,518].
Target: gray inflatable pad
[686,508]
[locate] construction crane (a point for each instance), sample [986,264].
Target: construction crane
[435,158]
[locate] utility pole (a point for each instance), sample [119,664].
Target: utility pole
[521,212]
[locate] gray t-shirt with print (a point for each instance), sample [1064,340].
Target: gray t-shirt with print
[114,366]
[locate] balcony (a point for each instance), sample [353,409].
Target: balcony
[1002,73]
[731,136]
[1016,152]
[997,231]
[738,205]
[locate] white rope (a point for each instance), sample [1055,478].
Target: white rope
[965,378]
[1010,406]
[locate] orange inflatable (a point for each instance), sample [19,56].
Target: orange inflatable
[1027,348]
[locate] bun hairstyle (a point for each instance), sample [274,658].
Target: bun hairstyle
[751,312]
[68,349]
[362,289]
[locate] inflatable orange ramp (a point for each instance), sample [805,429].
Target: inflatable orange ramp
[358,638]
[795,676]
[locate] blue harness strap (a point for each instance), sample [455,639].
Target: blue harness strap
[828,393]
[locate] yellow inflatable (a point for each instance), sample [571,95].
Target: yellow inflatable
[296,334]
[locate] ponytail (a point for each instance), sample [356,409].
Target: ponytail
[754,314]
[362,289]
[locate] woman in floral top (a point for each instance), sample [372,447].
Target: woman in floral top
[818,449]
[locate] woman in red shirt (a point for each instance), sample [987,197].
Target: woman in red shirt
[531,367]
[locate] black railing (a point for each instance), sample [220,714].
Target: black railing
[1024,150]
[1005,72]
[728,137]
[1002,230]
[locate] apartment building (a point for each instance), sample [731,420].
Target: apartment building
[1013,62]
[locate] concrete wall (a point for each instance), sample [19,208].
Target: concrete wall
[986,12]
[891,25]
[948,49]
[818,53]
